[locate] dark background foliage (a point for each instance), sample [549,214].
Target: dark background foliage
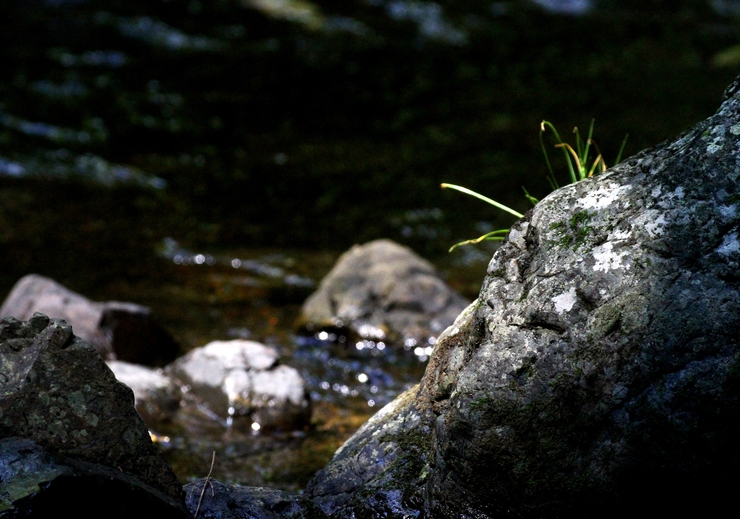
[317,133]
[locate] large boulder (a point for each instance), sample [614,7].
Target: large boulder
[597,374]
[244,383]
[64,415]
[383,290]
[117,330]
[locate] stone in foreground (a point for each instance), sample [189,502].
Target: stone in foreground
[57,392]
[597,374]
[245,384]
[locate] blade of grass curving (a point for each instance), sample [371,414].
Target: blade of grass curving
[597,162]
[573,178]
[532,199]
[551,179]
[498,235]
[484,198]
[584,157]
[569,149]
[579,147]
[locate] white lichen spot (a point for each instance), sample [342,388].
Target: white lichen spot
[657,190]
[729,245]
[670,199]
[654,226]
[603,197]
[717,143]
[715,146]
[607,259]
[735,129]
[619,235]
[728,211]
[564,302]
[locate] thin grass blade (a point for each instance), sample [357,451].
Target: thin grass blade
[484,198]
[621,150]
[498,235]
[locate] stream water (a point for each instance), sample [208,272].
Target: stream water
[256,295]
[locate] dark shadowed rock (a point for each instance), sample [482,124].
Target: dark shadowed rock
[382,289]
[123,331]
[212,499]
[597,374]
[135,336]
[56,391]
[36,483]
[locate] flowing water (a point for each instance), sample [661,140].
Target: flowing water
[256,295]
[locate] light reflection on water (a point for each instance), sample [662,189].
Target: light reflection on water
[348,377]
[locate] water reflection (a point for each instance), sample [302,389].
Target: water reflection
[156,33]
[574,7]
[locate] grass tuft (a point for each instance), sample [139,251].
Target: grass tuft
[576,157]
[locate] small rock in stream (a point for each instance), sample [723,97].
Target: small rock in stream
[244,383]
[117,330]
[383,291]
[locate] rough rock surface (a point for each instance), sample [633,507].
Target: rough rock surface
[598,373]
[243,382]
[56,391]
[117,330]
[383,289]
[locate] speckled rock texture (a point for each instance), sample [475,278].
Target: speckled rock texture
[117,330]
[382,290]
[57,391]
[597,374]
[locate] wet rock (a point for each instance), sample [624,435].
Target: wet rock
[244,382]
[382,289]
[117,330]
[393,437]
[597,373]
[157,397]
[212,499]
[57,392]
[36,483]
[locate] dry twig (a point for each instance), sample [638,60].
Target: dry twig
[207,481]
